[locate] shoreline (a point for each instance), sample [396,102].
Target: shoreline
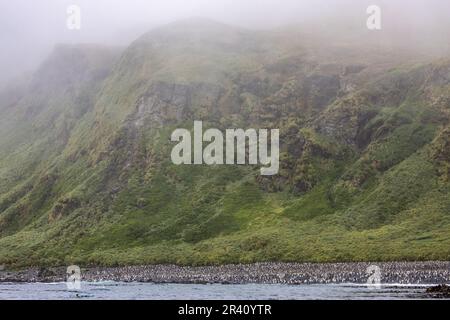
[431,273]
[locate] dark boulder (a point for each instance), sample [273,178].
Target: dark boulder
[441,291]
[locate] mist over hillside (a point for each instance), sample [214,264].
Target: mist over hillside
[86,175]
[28,36]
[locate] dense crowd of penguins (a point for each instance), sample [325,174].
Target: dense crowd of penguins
[270,273]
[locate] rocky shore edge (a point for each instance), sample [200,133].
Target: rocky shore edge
[432,272]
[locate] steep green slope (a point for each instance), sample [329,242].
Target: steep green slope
[85,153]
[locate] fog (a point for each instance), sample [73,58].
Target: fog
[30,29]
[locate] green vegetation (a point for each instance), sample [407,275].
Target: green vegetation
[86,176]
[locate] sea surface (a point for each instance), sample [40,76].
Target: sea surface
[149,291]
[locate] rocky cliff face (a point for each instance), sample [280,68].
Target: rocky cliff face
[85,163]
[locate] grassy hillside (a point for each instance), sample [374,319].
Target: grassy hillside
[86,176]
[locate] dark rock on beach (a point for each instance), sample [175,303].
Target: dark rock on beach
[441,291]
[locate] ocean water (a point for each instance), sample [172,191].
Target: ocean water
[149,291]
